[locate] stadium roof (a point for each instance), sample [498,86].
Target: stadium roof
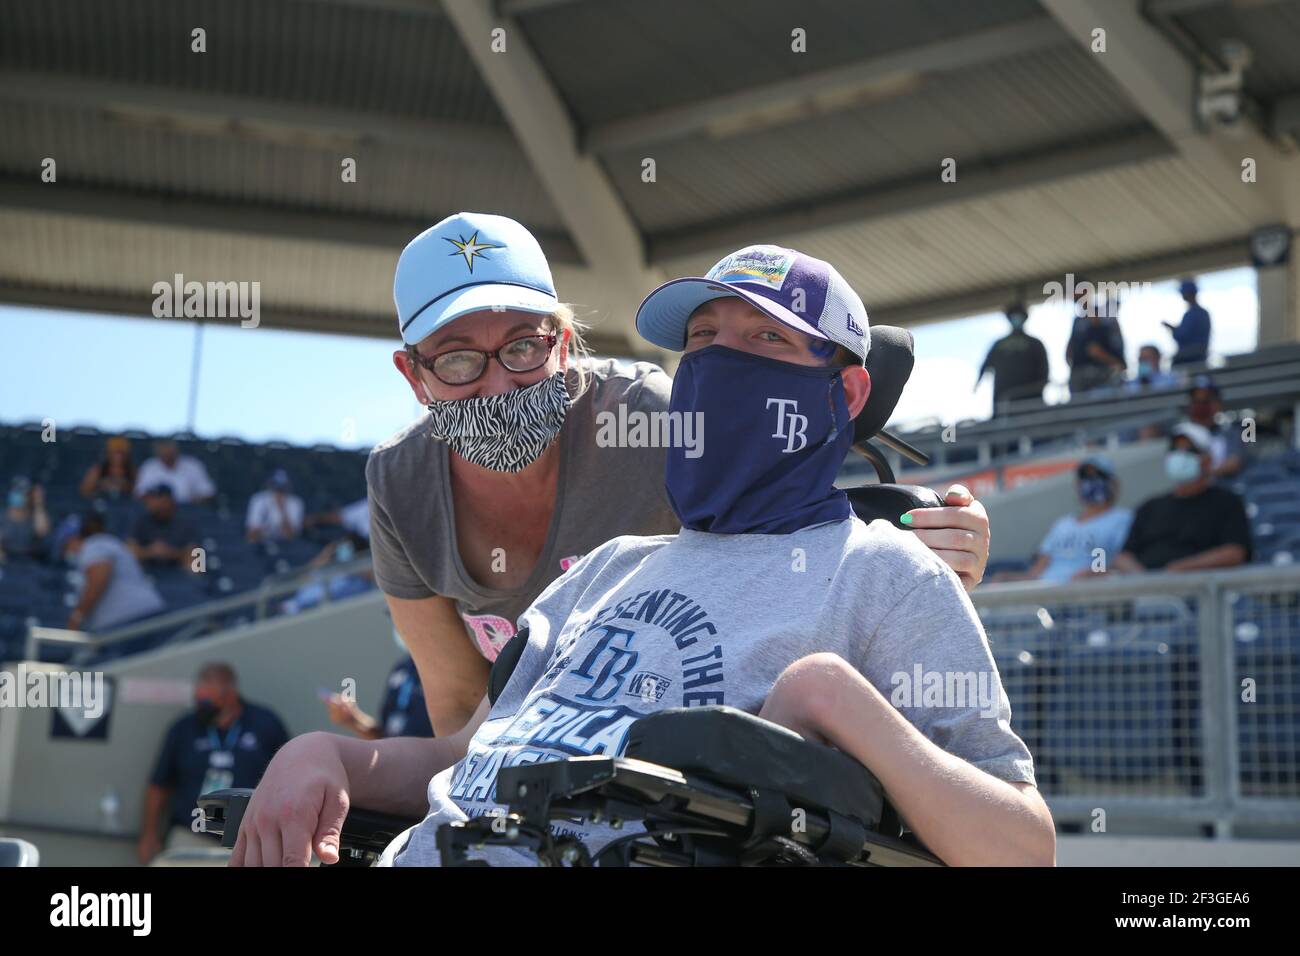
[225,165]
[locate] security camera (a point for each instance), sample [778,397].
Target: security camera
[1220,104]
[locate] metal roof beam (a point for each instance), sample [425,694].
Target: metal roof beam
[823,91]
[1164,86]
[1166,265]
[250,218]
[578,187]
[251,117]
[1103,150]
[379,325]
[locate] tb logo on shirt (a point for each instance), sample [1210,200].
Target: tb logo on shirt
[797,424]
[608,664]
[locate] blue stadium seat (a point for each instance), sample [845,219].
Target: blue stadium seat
[1267,651]
[1113,721]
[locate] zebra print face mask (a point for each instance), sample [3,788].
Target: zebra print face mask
[505,432]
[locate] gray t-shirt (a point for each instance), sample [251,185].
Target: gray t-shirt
[605,490]
[129,595]
[694,619]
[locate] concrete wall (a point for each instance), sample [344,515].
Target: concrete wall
[60,783]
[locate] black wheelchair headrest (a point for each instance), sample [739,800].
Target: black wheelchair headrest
[890,502]
[890,364]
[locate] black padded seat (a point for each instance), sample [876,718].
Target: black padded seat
[733,747]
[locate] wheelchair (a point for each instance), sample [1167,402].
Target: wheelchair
[705,786]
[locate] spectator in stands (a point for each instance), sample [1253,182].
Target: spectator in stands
[1018,362]
[1193,333]
[353,518]
[1227,450]
[224,742]
[25,527]
[1196,526]
[339,586]
[275,513]
[114,475]
[161,537]
[114,590]
[1095,352]
[402,713]
[1072,546]
[1150,374]
[185,474]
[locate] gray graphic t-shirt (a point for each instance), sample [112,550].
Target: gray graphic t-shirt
[694,619]
[605,490]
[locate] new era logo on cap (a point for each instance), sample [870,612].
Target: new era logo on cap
[800,291]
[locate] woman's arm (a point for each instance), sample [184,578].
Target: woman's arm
[452,671]
[963,815]
[90,482]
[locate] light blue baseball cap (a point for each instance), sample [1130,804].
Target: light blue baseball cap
[469,262]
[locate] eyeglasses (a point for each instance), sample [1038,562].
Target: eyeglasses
[463,366]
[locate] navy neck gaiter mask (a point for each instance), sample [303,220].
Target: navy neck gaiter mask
[770,438]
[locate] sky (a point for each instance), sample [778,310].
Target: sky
[116,372]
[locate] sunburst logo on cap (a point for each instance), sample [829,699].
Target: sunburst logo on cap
[469,248]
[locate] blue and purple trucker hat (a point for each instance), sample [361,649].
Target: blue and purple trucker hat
[805,293]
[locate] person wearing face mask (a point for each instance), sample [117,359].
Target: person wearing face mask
[1150,374]
[225,741]
[514,475]
[521,464]
[1197,525]
[771,579]
[1095,351]
[1018,362]
[1072,545]
[25,522]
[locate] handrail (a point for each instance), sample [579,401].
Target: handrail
[1274,381]
[1146,584]
[257,598]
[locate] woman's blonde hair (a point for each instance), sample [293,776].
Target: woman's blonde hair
[579,354]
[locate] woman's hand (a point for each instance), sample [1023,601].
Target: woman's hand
[298,808]
[957,533]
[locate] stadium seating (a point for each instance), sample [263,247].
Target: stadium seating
[34,592]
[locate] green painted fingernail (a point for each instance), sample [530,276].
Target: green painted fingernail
[906,519]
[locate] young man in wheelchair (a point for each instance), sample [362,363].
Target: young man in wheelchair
[774,599]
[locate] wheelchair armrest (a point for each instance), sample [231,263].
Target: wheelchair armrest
[734,747]
[890,502]
[365,832]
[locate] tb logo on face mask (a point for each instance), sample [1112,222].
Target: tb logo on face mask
[796,423]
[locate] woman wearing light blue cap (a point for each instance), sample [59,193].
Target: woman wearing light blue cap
[477,508]
[469,527]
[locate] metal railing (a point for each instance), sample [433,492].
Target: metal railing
[1269,379]
[187,623]
[1157,696]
